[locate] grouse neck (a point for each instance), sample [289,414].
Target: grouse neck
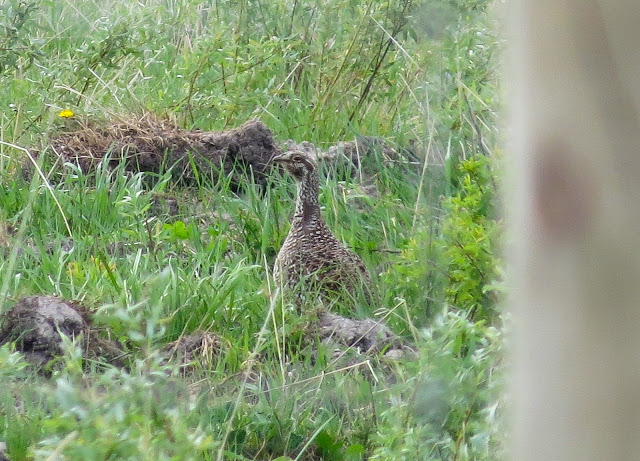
[307,207]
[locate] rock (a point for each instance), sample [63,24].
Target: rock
[35,324]
[3,449]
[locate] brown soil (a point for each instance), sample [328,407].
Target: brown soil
[148,144]
[36,322]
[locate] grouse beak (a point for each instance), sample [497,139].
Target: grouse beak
[279,158]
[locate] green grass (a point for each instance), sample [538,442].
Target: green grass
[419,74]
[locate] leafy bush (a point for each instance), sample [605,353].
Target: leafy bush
[120,415]
[470,233]
[448,404]
[18,47]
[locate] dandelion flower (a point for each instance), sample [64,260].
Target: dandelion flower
[66,113]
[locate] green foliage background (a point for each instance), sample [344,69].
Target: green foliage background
[420,74]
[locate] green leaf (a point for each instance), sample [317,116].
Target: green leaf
[355,451]
[178,230]
[328,446]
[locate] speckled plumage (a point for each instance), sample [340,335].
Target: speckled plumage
[311,252]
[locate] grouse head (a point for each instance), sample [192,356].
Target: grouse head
[299,164]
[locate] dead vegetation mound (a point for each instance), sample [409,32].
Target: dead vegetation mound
[363,155]
[148,144]
[36,325]
[200,349]
[363,148]
[367,336]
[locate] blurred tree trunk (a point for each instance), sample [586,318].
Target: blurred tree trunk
[576,214]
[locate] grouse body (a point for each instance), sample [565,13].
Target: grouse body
[311,254]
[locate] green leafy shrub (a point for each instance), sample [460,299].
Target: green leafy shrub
[18,46]
[469,238]
[447,405]
[122,415]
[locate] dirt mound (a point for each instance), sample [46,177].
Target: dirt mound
[36,323]
[360,149]
[148,144]
[366,336]
[199,349]
[366,152]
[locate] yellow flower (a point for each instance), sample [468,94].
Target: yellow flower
[74,270]
[66,113]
